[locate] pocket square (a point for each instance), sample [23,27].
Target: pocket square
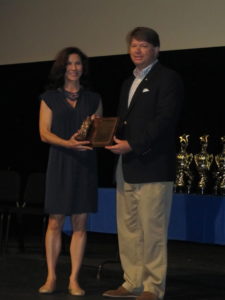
[145,90]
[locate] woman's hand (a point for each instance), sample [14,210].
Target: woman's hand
[95,116]
[72,143]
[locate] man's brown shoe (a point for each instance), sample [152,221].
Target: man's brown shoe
[121,292]
[147,296]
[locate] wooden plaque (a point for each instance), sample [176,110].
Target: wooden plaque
[100,131]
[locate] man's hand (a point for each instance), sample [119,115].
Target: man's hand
[121,146]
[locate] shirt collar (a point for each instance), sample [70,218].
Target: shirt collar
[141,74]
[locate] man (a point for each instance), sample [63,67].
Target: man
[149,108]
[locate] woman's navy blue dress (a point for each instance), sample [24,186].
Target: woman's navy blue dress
[71,177]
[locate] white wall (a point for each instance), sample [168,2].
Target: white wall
[35,30]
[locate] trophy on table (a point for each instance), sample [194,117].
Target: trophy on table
[219,186]
[184,176]
[203,161]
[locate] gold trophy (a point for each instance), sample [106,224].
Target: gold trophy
[184,176]
[203,161]
[219,186]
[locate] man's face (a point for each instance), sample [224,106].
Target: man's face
[142,53]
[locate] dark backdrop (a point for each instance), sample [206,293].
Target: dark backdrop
[203,73]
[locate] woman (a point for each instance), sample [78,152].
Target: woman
[71,183]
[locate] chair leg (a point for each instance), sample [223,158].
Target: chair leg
[7,231]
[110,261]
[19,217]
[1,232]
[100,266]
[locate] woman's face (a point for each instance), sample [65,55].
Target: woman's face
[74,68]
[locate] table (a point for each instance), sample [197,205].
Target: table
[104,220]
[198,218]
[195,218]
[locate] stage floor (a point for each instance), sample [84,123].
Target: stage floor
[195,271]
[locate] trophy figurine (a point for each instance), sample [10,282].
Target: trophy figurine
[203,161]
[184,176]
[84,129]
[219,186]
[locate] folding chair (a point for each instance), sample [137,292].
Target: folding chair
[10,193]
[32,204]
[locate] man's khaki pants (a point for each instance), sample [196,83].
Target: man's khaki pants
[142,219]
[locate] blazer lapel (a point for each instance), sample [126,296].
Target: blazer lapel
[140,88]
[124,104]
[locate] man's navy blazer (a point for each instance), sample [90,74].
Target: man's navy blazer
[149,126]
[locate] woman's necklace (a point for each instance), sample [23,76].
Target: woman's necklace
[73,96]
